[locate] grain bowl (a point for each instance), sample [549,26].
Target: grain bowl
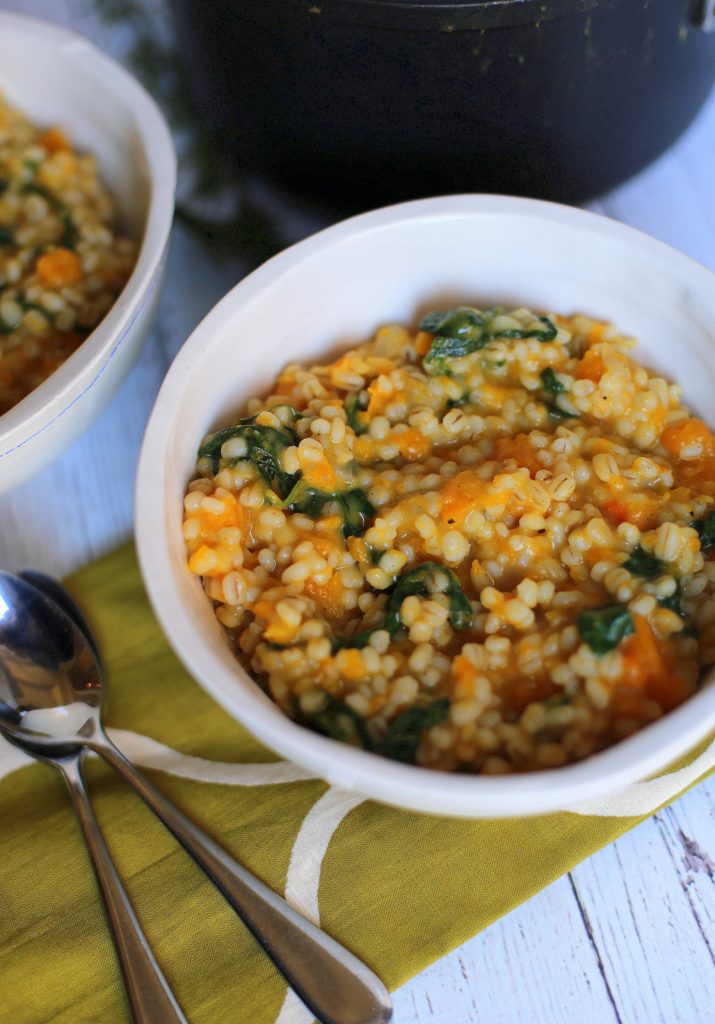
[88,174]
[532,288]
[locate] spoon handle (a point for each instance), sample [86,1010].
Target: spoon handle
[150,997]
[336,986]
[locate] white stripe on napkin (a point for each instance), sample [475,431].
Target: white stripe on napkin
[645,797]
[148,753]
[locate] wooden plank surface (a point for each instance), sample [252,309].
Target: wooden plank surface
[629,936]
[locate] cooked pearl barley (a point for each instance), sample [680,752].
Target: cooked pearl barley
[532,519]
[605,467]
[455,546]
[667,543]
[518,614]
[56,240]
[528,592]
[562,487]
[234,448]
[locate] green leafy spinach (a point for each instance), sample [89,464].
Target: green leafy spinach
[458,332]
[640,563]
[339,721]
[551,383]
[354,406]
[553,386]
[463,330]
[404,733]
[706,531]
[604,628]
[265,446]
[355,508]
[415,582]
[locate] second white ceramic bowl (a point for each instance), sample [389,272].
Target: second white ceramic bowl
[334,290]
[56,77]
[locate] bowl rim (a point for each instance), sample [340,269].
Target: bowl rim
[407,786]
[51,400]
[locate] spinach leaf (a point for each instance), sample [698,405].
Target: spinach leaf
[338,721]
[306,499]
[642,564]
[463,330]
[70,233]
[551,382]
[354,405]
[25,305]
[706,531]
[355,508]
[212,443]
[649,567]
[6,236]
[458,332]
[553,386]
[264,450]
[545,333]
[414,582]
[404,733]
[604,628]
[265,446]
[560,414]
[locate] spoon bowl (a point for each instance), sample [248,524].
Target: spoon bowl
[50,678]
[62,598]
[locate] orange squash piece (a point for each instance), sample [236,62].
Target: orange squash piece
[54,140]
[412,444]
[520,449]
[59,269]
[590,367]
[646,669]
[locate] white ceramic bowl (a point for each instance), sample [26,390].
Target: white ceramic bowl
[335,289]
[57,77]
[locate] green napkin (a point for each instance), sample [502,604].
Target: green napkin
[397,888]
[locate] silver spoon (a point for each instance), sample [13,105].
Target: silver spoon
[149,994]
[51,688]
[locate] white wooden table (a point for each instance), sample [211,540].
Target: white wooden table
[629,935]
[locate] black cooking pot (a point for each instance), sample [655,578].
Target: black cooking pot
[369,101]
